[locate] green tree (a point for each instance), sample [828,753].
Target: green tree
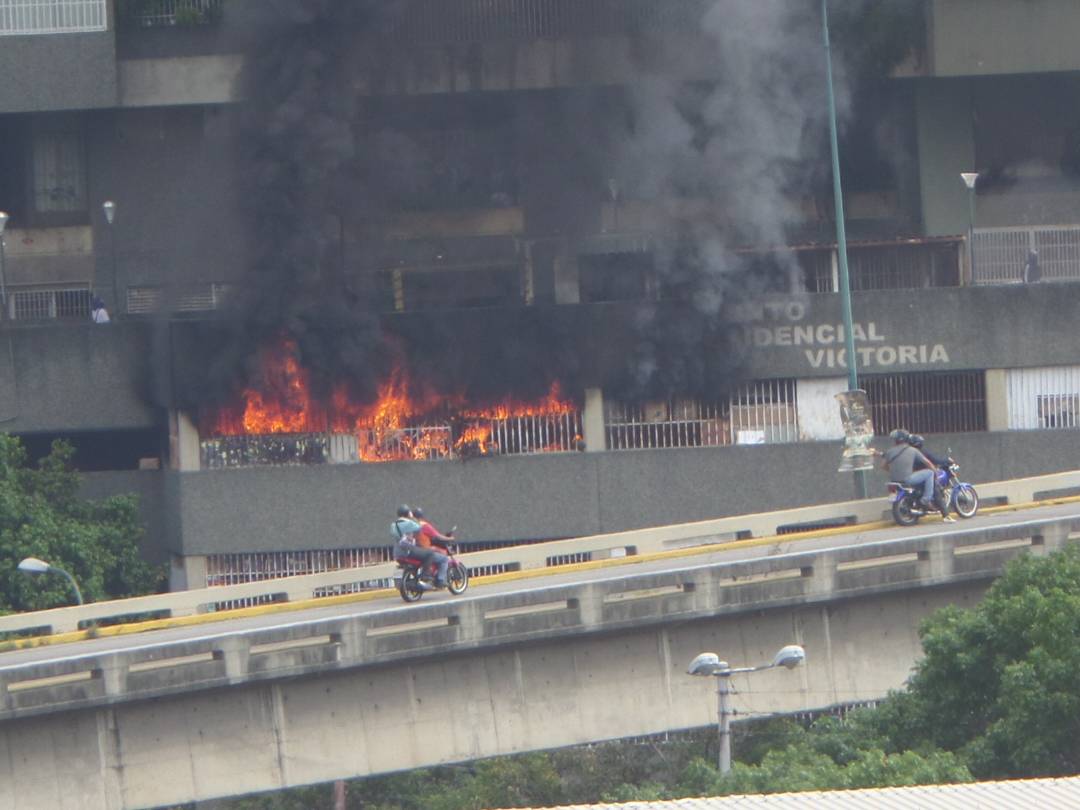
[998,683]
[42,515]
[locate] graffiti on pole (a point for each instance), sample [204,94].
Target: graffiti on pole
[858,431]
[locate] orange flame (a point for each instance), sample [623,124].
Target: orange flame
[405,422]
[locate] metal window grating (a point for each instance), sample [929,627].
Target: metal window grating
[1001,253]
[758,412]
[48,304]
[236,569]
[1043,398]
[20,17]
[927,402]
[200,298]
[431,21]
[164,13]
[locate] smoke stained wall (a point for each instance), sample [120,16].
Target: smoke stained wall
[745,134]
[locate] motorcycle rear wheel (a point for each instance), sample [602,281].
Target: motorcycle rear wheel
[457,578]
[902,514]
[966,501]
[409,586]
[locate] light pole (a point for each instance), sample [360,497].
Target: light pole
[709,665]
[109,207]
[32,565]
[3,280]
[970,179]
[841,232]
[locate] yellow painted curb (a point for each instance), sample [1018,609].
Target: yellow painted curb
[509,576]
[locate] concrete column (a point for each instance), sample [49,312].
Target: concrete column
[567,280]
[183,442]
[997,400]
[946,142]
[593,421]
[187,573]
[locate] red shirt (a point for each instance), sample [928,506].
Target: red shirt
[427,533]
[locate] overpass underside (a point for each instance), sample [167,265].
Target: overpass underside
[534,695]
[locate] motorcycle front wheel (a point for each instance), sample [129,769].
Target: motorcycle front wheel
[409,585]
[902,514]
[966,501]
[457,578]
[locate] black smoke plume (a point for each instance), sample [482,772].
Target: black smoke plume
[737,122]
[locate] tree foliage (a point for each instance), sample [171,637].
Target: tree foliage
[998,683]
[42,515]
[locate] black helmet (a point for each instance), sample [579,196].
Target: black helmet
[899,435]
[404,510]
[915,440]
[417,512]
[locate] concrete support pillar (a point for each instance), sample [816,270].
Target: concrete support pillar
[997,400]
[593,421]
[183,442]
[187,573]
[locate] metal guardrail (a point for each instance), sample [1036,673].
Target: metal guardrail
[534,557]
[686,593]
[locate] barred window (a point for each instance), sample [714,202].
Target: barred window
[1043,398]
[58,168]
[758,412]
[20,17]
[927,402]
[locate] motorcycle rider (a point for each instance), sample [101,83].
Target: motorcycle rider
[404,530]
[942,462]
[432,538]
[900,460]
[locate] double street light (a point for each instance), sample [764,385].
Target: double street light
[708,664]
[32,565]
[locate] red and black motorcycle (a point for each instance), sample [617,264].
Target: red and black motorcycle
[413,580]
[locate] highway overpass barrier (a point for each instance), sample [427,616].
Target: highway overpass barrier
[151,666]
[861,513]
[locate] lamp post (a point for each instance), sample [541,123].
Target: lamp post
[109,207]
[32,565]
[709,665]
[841,232]
[3,280]
[970,179]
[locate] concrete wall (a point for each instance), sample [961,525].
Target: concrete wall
[46,72]
[979,37]
[452,709]
[148,486]
[945,137]
[75,377]
[546,497]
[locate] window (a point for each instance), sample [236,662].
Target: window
[1059,410]
[449,288]
[930,402]
[615,277]
[57,168]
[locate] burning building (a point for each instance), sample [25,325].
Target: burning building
[474,253]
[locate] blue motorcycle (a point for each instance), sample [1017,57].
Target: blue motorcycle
[960,496]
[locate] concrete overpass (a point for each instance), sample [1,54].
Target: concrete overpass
[281,699]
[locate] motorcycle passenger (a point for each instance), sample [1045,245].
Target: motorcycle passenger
[942,462]
[404,530]
[900,459]
[431,538]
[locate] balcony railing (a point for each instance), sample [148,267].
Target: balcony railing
[43,302]
[21,17]
[1001,254]
[165,13]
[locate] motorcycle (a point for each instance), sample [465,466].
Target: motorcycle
[959,495]
[412,580]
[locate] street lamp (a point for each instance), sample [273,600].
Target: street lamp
[109,207]
[3,281]
[969,179]
[841,232]
[32,565]
[709,665]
